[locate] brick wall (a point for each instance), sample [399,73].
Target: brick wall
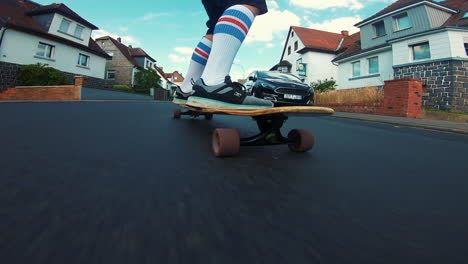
[47,93]
[402,98]
[446,82]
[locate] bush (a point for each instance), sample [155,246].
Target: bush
[145,80]
[41,75]
[121,87]
[325,85]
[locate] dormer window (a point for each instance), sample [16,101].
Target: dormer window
[65,25]
[402,21]
[379,29]
[78,31]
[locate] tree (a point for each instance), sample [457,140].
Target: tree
[147,79]
[324,85]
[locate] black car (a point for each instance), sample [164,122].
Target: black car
[280,88]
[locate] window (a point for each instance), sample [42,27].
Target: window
[356,69]
[45,50]
[374,65]
[421,51]
[289,50]
[402,21]
[83,60]
[466,48]
[110,53]
[465,15]
[295,45]
[64,26]
[110,75]
[379,29]
[78,31]
[292,34]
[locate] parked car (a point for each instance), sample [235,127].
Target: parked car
[282,89]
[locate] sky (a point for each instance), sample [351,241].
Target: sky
[169,30]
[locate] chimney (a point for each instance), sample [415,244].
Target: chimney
[119,39]
[345,33]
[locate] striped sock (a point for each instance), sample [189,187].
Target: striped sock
[230,32]
[197,64]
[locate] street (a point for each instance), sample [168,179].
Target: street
[122,182]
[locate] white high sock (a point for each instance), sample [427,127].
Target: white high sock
[197,64]
[230,32]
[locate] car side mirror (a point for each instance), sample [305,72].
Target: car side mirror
[251,78]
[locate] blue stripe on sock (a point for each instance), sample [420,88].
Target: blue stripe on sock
[204,47]
[230,30]
[240,15]
[199,59]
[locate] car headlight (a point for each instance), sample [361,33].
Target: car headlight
[266,85]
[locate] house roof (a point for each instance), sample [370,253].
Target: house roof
[398,5]
[14,14]
[457,20]
[317,39]
[161,72]
[61,9]
[125,50]
[139,52]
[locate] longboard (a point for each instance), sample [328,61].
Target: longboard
[226,141]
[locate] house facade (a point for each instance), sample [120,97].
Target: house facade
[308,53]
[127,61]
[420,39]
[53,34]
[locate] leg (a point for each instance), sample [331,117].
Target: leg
[197,64]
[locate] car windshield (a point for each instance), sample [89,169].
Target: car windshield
[279,75]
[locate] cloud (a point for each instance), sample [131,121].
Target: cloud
[152,15]
[124,29]
[337,25]
[128,40]
[177,58]
[184,50]
[272,4]
[313,4]
[270,45]
[272,24]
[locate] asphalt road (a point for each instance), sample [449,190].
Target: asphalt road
[118,182]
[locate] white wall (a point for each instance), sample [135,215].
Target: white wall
[385,71]
[320,66]
[443,45]
[55,26]
[20,48]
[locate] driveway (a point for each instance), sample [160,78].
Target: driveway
[122,182]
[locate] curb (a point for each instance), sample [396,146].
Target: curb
[453,129]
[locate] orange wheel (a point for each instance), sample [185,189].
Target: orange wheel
[225,142]
[301,140]
[177,113]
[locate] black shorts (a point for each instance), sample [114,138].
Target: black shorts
[215,8]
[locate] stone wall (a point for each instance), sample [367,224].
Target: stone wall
[8,73]
[446,83]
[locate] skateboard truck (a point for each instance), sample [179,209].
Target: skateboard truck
[227,141]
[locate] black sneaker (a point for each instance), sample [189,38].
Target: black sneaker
[228,95]
[180,97]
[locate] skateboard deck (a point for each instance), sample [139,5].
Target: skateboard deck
[226,141]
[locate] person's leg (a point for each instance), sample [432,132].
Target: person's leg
[230,31]
[197,64]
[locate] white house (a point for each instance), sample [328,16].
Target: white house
[413,39]
[308,53]
[51,34]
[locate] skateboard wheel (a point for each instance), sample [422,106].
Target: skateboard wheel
[225,142]
[301,140]
[177,113]
[209,116]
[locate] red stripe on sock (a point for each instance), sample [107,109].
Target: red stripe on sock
[201,53]
[236,22]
